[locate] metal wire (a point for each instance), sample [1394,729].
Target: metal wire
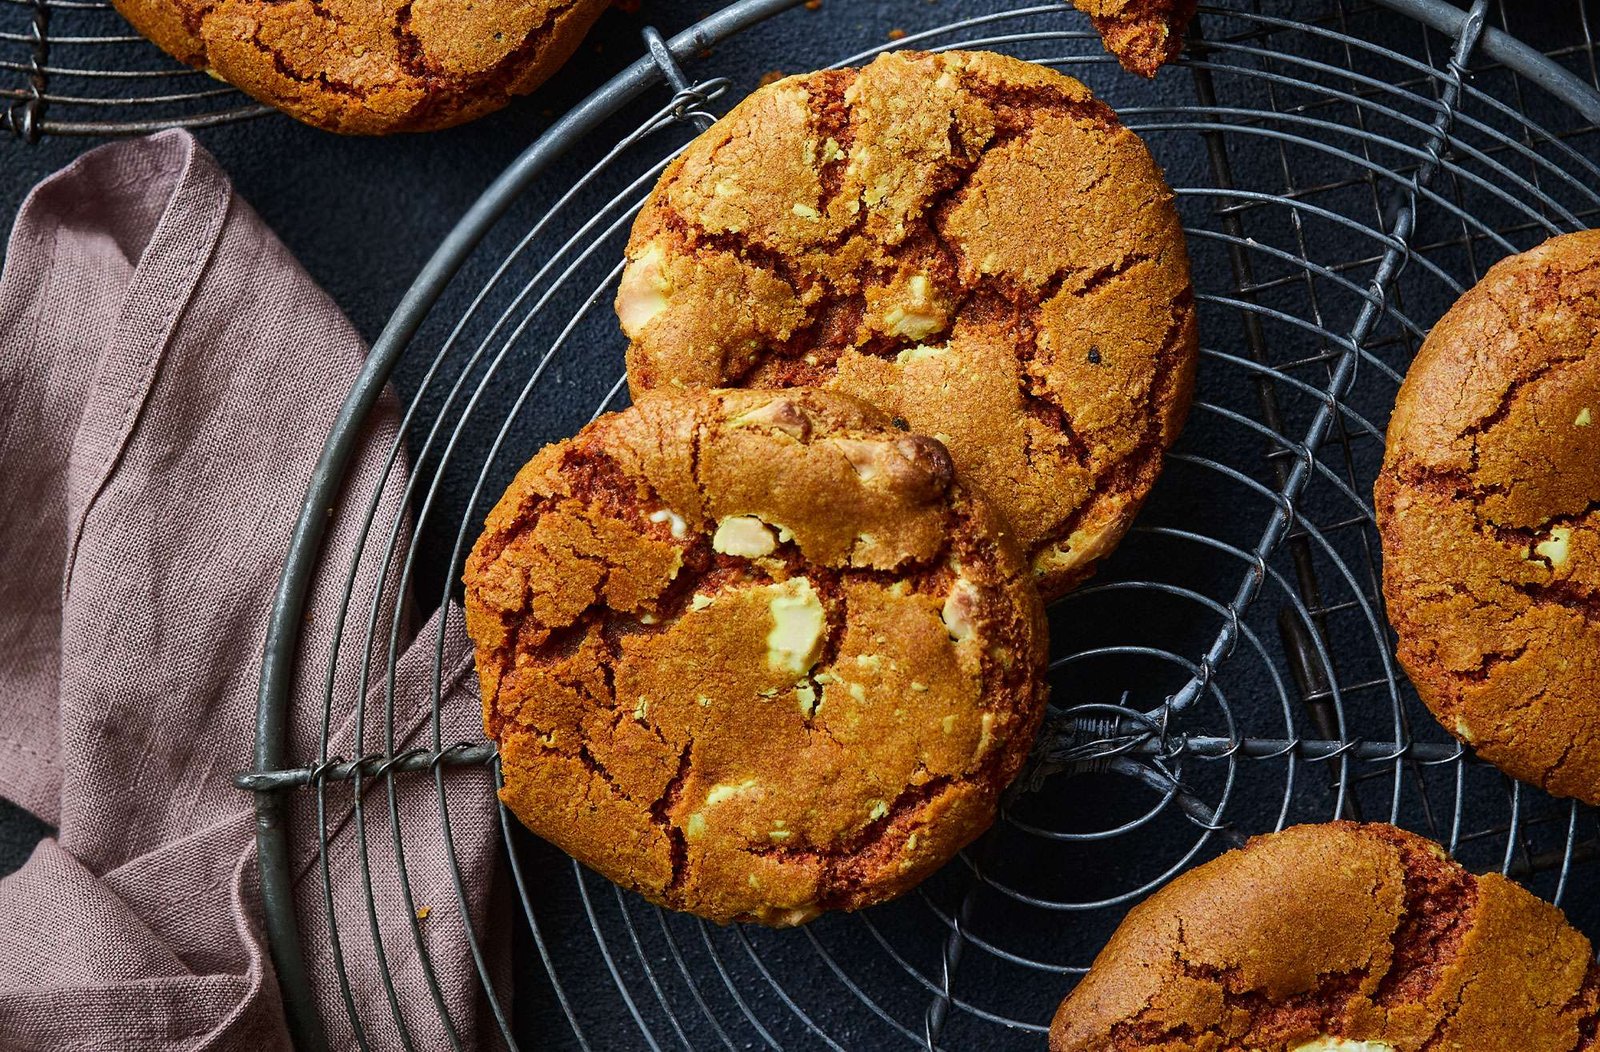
[1230,672]
[75,67]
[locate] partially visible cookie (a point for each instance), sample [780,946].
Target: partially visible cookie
[1359,938]
[1144,34]
[1489,508]
[755,655]
[370,68]
[970,242]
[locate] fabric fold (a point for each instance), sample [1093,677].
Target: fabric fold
[168,374]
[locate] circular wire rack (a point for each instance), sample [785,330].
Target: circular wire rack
[75,67]
[1343,175]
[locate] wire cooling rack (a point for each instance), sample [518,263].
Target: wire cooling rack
[75,67]
[1343,175]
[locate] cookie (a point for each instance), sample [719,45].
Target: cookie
[1489,508]
[754,655]
[370,69]
[1144,34]
[1358,938]
[970,242]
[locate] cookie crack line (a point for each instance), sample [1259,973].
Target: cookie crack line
[280,62]
[1458,486]
[1508,398]
[1560,763]
[1418,933]
[1492,661]
[1582,601]
[661,814]
[1434,1039]
[1152,444]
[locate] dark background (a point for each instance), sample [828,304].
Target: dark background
[364,214]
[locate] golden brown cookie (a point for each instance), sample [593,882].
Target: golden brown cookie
[372,68]
[1489,507]
[755,655]
[1144,34]
[1337,938]
[970,242]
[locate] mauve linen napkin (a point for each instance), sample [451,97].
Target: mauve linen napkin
[168,374]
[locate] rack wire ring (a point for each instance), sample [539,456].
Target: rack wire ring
[1298,521]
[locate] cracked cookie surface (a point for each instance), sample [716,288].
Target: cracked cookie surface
[1356,938]
[970,242]
[1144,34]
[371,68]
[755,655]
[1489,509]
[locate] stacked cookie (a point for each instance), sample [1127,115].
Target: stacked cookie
[754,654]
[907,344]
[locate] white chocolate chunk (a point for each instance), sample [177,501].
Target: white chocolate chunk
[864,455]
[919,352]
[797,624]
[1556,547]
[642,293]
[806,695]
[743,535]
[781,415]
[722,792]
[986,737]
[916,317]
[960,607]
[679,527]
[1342,1044]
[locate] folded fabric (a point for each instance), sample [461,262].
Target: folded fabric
[168,374]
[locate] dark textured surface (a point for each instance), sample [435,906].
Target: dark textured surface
[363,215]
